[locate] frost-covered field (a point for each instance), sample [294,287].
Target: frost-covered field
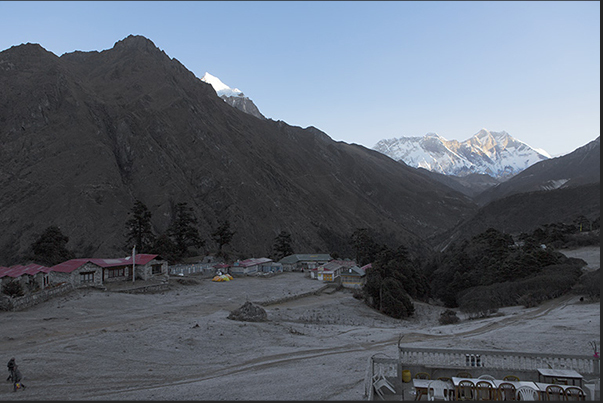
[179,345]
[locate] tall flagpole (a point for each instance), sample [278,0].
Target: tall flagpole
[133,263]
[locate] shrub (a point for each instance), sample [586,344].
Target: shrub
[13,289]
[479,301]
[448,317]
[589,284]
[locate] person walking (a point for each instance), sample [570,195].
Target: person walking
[17,379]
[11,366]
[14,375]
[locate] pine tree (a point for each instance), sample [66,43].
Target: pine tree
[222,235]
[183,230]
[166,248]
[50,247]
[282,246]
[365,246]
[139,229]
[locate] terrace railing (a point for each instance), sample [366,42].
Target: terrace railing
[587,365]
[476,361]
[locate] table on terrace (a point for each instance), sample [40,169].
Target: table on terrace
[557,376]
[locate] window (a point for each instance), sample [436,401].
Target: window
[156,269]
[87,277]
[119,272]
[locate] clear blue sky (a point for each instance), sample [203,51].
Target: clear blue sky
[365,71]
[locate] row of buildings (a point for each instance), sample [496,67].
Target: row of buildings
[86,272]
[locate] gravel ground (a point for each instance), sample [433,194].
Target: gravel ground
[180,345]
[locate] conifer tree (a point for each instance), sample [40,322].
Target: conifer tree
[50,248]
[139,229]
[282,245]
[222,235]
[183,230]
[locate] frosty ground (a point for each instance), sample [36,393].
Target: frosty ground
[180,345]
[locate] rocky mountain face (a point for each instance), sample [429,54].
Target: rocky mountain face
[86,134]
[233,97]
[496,154]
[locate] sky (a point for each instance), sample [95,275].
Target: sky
[363,71]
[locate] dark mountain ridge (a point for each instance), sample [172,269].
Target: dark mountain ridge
[87,133]
[580,167]
[558,190]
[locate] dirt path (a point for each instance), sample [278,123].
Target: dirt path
[179,345]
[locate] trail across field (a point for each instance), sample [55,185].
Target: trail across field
[179,344]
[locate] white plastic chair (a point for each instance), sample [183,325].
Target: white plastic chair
[487,377]
[437,390]
[379,382]
[526,393]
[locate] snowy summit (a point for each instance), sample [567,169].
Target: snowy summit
[221,88]
[233,97]
[494,153]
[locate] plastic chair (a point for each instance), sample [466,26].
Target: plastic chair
[464,374]
[527,393]
[437,390]
[574,393]
[487,377]
[465,390]
[506,391]
[484,390]
[422,375]
[379,382]
[554,392]
[511,378]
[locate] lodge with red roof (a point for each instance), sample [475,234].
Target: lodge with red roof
[86,271]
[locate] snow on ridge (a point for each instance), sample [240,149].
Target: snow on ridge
[497,154]
[221,88]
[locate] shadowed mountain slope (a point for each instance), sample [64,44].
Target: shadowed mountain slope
[85,134]
[524,212]
[582,166]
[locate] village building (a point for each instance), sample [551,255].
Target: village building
[330,272]
[31,277]
[95,272]
[353,277]
[304,262]
[78,273]
[250,266]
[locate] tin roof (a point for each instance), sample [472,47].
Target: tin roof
[18,270]
[309,257]
[73,264]
[353,271]
[252,262]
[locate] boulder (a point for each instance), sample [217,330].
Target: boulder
[249,312]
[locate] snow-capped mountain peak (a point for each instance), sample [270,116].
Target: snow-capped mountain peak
[494,153]
[233,97]
[220,87]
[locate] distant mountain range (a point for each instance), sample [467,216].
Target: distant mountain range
[496,154]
